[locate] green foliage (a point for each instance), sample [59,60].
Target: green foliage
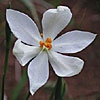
[19,86]
[59,91]
[28,95]
[8,45]
[55,3]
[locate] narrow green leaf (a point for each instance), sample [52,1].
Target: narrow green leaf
[55,4]
[63,90]
[8,45]
[28,95]
[53,93]
[9,5]
[58,92]
[19,86]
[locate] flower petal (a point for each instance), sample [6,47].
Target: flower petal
[38,72]
[65,66]
[55,20]
[73,42]
[23,27]
[24,53]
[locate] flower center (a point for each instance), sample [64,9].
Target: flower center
[46,44]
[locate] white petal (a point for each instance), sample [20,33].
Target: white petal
[23,27]
[38,72]
[73,41]
[55,20]
[65,66]
[24,53]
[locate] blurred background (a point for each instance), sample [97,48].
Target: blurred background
[86,85]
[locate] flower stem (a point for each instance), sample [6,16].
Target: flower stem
[4,74]
[52,94]
[8,45]
[28,95]
[19,86]
[58,91]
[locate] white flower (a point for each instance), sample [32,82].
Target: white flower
[47,48]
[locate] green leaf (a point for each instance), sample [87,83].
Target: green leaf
[8,46]
[28,95]
[8,32]
[19,86]
[59,90]
[54,2]
[63,90]
[52,94]
[9,5]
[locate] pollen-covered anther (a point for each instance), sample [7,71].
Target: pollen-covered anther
[48,45]
[48,40]
[41,35]
[41,44]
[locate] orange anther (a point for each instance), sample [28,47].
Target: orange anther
[45,44]
[41,44]
[48,40]
[48,45]
[41,35]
